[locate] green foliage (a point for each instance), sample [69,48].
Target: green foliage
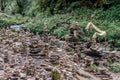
[61,31]
[55,75]
[21,5]
[11,7]
[106,20]
[93,67]
[111,1]
[2,4]
[25,7]
[115,67]
[59,24]
[36,27]
[32,8]
[52,6]
[6,20]
[112,14]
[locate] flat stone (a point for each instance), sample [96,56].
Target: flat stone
[1,72]
[34,50]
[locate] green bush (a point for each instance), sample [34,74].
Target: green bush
[7,20]
[115,67]
[59,24]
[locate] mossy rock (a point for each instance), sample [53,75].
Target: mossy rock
[55,75]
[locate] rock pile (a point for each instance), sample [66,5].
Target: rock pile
[24,56]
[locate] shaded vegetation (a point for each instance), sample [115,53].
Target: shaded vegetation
[59,15]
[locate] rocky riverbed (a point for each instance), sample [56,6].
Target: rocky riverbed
[24,56]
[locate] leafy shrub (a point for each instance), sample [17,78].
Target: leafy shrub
[7,20]
[115,67]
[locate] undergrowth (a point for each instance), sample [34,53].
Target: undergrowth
[59,24]
[115,67]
